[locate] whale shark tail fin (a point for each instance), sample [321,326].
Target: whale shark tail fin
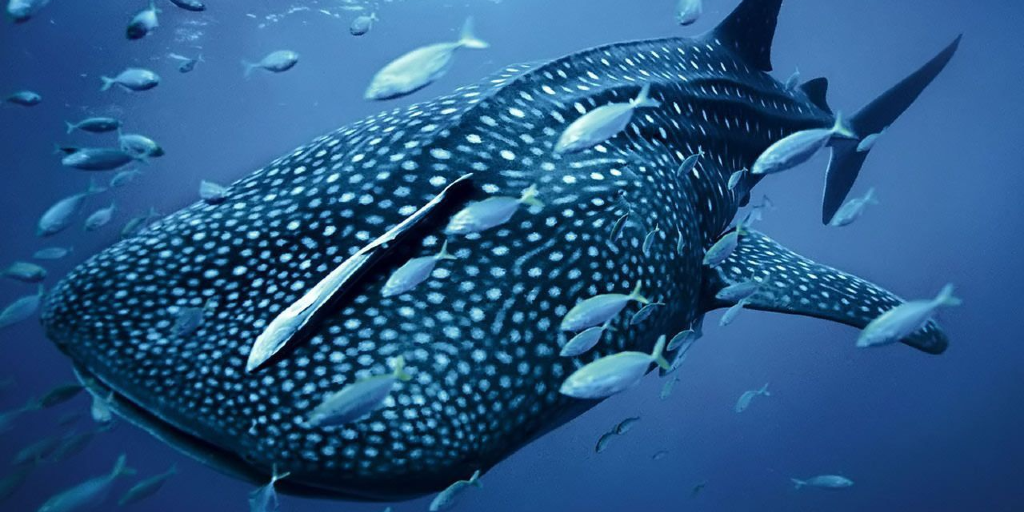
[847,160]
[807,288]
[750,30]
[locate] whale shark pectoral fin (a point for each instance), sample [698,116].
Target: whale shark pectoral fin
[799,286]
[750,30]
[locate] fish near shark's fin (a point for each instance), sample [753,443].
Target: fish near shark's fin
[877,116]
[816,91]
[750,30]
[800,286]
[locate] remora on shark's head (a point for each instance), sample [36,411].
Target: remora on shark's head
[318,232]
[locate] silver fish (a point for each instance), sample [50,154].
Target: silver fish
[275,62]
[490,213]
[447,498]
[868,143]
[358,398]
[122,178]
[362,24]
[730,314]
[602,442]
[599,309]
[644,313]
[649,241]
[132,79]
[689,164]
[742,290]
[139,146]
[736,178]
[420,67]
[88,494]
[666,388]
[689,11]
[853,209]
[798,148]
[21,309]
[190,5]
[831,482]
[264,499]
[24,272]
[100,218]
[143,23]
[793,81]
[212,193]
[97,159]
[94,125]
[23,10]
[100,409]
[603,123]
[626,425]
[748,396]
[903,320]
[186,64]
[414,272]
[584,341]
[58,395]
[723,247]
[147,487]
[24,98]
[612,374]
[618,226]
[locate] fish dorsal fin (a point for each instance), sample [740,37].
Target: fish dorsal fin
[816,90]
[808,289]
[749,31]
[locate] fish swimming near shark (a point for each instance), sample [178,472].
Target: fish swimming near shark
[317,233]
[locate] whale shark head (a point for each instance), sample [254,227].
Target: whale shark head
[480,336]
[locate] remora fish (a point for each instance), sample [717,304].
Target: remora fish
[493,319]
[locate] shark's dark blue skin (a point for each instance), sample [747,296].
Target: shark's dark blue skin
[480,338]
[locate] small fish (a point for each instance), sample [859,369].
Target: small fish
[73,444]
[100,409]
[793,81]
[731,313]
[681,244]
[644,313]
[10,483]
[869,142]
[23,10]
[739,291]
[186,64]
[122,178]
[88,494]
[853,209]
[132,79]
[420,67]
[24,272]
[736,178]
[189,319]
[491,212]
[447,498]
[58,395]
[275,62]
[136,224]
[100,218]
[21,309]
[626,425]
[94,125]
[212,193]
[37,452]
[666,388]
[757,211]
[748,396]
[143,23]
[618,226]
[689,164]
[602,442]
[723,247]
[357,399]
[798,148]
[602,123]
[190,5]
[905,319]
[689,11]
[25,98]
[97,159]
[831,482]
[139,146]
[682,343]
[147,487]
[59,149]
[599,309]
[584,341]
[362,24]
[264,499]
[698,488]
[414,272]
[658,455]
[649,240]
[613,374]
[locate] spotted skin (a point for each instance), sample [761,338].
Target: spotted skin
[480,338]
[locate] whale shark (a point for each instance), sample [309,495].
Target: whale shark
[296,254]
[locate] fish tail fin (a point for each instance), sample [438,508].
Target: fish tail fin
[879,114]
[107,83]
[644,100]
[399,367]
[659,353]
[797,484]
[248,67]
[635,295]
[529,197]
[199,58]
[870,198]
[764,390]
[121,467]
[468,40]
[946,297]
[71,127]
[475,479]
[444,254]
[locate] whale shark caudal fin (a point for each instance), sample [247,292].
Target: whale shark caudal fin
[877,116]
[749,31]
[800,286]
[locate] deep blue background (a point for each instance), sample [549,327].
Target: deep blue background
[915,432]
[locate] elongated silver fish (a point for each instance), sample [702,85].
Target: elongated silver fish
[298,257]
[89,493]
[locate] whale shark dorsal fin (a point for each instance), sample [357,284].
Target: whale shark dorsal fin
[749,31]
[816,90]
[807,288]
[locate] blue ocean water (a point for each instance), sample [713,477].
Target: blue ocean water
[915,432]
